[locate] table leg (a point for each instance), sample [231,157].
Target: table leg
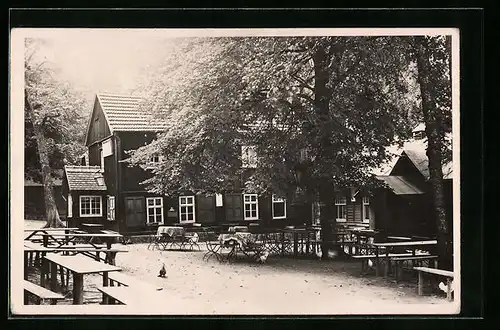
[77,289]
[105,279]
[45,240]
[53,276]
[420,283]
[61,273]
[386,271]
[377,263]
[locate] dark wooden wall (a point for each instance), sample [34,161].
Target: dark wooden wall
[98,128]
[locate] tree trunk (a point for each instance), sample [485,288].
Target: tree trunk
[51,211]
[321,104]
[432,118]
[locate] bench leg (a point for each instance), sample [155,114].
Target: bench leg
[448,291]
[420,283]
[77,289]
[61,274]
[53,276]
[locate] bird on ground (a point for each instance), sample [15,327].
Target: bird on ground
[163,271]
[443,287]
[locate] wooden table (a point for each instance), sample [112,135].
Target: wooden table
[65,239]
[362,234]
[389,246]
[35,232]
[79,266]
[92,228]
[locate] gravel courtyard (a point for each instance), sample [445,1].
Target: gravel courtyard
[280,286]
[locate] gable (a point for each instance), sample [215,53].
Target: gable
[98,127]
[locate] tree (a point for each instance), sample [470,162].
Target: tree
[54,129]
[433,59]
[340,99]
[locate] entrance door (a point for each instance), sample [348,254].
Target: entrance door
[206,210]
[134,211]
[234,205]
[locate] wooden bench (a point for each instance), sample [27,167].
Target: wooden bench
[41,293]
[364,259]
[400,259]
[121,279]
[440,272]
[122,294]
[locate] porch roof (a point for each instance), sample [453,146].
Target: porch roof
[399,185]
[84,178]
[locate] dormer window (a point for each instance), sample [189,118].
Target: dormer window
[154,160]
[419,135]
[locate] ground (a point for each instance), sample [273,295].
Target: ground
[280,286]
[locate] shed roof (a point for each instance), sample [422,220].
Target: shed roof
[123,113]
[399,185]
[84,178]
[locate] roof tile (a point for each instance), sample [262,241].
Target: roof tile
[123,114]
[84,178]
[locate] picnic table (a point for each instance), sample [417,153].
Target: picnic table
[60,239]
[389,247]
[79,266]
[92,228]
[39,231]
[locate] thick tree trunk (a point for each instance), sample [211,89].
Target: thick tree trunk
[51,211]
[321,104]
[432,118]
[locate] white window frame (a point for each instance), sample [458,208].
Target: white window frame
[102,159]
[187,204]
[366,212]
[70,206]
[279,200]
[151,163]
[111,207]
[152,209]
[341,201]
[248,160]
[92,214]
[255,202]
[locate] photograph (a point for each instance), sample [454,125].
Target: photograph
[255,171]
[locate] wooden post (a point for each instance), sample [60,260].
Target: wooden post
[97,256]
[77,289]
[42,274]
[420,283]
[61,274]
[448,291]
[295,244]
[282,243]
[105,282]
[53,276]
[377,263]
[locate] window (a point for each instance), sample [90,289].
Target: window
[90,206]
[248,157]
[70,206]
[251,206]
[279,208]
[340,206]
[111,208]
[218,200]
[366,209]
[154,209]
[186,207]
[154,160]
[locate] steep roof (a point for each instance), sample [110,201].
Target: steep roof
[122,113]
[399,185]
[84,178]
